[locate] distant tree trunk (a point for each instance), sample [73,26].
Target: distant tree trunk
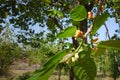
[114,65]
[59,72]
[116,68]
[71,74]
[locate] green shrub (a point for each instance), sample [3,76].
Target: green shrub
[24,76]
[8,53]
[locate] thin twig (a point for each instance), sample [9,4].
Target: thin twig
[99,10]
[81,43]
[97,14]
[88,31]
[56,22]
[107,31]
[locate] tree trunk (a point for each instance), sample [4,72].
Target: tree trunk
[59,72]
[71,73]
[76,44]
[83,28]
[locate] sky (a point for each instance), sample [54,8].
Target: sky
[111,25]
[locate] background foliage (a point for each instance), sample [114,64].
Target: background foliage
[61,18]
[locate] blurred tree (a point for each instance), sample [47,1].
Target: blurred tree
[53,14]
[9,50]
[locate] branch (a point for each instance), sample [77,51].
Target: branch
[97,14]
[88,31]
[56,22]
[99,10]
[107,31]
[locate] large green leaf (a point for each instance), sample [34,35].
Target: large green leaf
[100,20]
[68,32]
[114,44]
[85,70]
[99,51]
[43,74]
[79,13]
[84,52]
[48,68]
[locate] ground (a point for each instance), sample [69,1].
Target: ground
[19,68]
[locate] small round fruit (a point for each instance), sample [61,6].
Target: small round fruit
[90,15]
[67,61]
[76,55]
[94,49]
[78,34]
[102,7]
[96,1]
[95,40]
[73,59]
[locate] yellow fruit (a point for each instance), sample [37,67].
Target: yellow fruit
[73,59]
[96,1]
[78,34]
[67,61]
[94,49]
[102,7]
[90,15]
[95,40]
[76,55]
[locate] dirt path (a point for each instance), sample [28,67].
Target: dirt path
[19,68]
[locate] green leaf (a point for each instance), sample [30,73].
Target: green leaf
[59,14]
[55,59]
[116,0]
[84,52]
[100,20]
[66,57]
[85,70]
[99,51]
[43,75]
[55,12]
[114,44]
[48,68]
[79,13]
[68,32]
[47,1]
